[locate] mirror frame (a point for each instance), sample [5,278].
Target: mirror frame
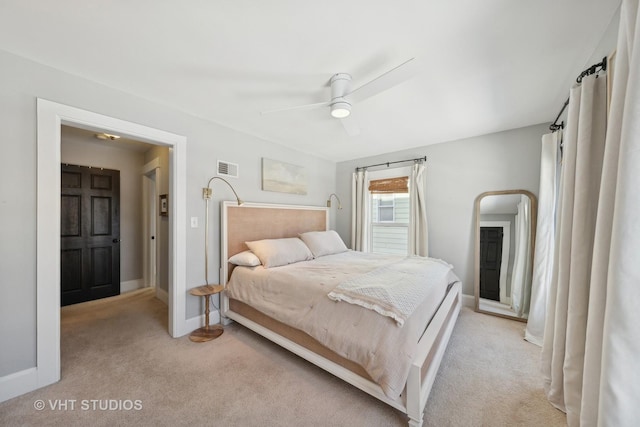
[534,222]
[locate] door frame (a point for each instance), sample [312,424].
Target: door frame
[50,117]
[151,175]
[506,242]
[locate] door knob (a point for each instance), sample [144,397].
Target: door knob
[116,240]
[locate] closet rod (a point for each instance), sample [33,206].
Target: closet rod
[419,159]
[591,70]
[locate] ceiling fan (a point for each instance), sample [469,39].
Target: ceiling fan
[342,97]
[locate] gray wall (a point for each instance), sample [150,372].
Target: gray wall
[607,43]
[22,82]
[78,149]
[456,173]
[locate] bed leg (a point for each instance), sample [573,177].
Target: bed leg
[415,410]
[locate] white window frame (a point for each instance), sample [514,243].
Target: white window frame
[393,210]
[383,174]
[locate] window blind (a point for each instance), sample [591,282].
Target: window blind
[389,185]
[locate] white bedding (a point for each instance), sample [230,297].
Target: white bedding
[395,289]
[296,295]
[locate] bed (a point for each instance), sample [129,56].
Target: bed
[403,385]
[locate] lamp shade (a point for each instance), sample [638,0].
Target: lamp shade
[340,109]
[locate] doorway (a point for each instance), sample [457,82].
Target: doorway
[50,117]
[87,191]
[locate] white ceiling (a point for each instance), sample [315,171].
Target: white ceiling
[482,66]
[87,136]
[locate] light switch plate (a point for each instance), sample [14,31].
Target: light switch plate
[194,222]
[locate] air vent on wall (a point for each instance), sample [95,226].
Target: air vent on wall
[227,169]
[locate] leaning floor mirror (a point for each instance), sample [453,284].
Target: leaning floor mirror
[505,231]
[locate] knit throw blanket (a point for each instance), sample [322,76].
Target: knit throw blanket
[394,290]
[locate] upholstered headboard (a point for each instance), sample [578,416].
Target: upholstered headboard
[256,221]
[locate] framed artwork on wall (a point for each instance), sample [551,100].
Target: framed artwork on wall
[283,177]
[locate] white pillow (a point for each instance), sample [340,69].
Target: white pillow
[323,242]
[276,252]
[246,258]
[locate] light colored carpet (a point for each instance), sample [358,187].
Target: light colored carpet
[118,349]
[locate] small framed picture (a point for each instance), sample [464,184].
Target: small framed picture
[164,205]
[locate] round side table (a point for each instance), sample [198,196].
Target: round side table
[207,332]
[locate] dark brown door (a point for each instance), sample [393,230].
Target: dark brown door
[490,260]
[89,234]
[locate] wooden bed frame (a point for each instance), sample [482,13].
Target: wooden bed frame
[254,221]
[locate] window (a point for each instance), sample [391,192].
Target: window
[385,207]
[389,207]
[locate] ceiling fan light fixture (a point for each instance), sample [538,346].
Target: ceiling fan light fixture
[340,109]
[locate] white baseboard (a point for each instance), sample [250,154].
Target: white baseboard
[18,383]
[162,295]
[131,285]
[469,301]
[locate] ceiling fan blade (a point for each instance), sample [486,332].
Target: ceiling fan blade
[385,81]
[350,126]
[299,107]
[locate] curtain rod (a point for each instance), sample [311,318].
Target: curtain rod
[591,70]
[419,159]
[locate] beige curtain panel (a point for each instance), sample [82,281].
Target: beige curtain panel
[545,236]
[566,326]
[418,227]
[521,275]
[592,343]
[616,278]
[359,212]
